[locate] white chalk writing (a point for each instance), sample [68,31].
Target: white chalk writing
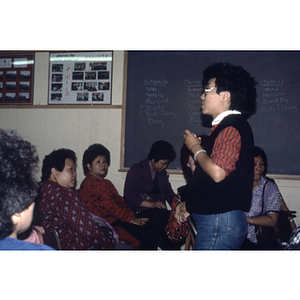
[192,99]
[274,98]
[156,106]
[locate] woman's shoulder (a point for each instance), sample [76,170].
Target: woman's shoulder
[53,187]
[106,183]
[140,166]
[270,184]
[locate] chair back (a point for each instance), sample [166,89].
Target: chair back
[51,238]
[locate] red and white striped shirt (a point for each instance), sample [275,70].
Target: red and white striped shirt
[227,147]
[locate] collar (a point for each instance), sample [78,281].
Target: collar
[153,172]
[224,114]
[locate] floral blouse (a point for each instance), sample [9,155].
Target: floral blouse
[272,198]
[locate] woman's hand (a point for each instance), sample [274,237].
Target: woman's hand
[182,216]
[39,228]
[181,213]
[139,221]
[192,141]
[150,204]
[159,205]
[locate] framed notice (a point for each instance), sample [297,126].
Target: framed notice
[16,78]
[80,78]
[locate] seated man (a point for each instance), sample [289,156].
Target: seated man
[18,190]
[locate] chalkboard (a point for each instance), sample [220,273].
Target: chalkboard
[163,99]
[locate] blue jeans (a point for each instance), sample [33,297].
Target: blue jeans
[225,231]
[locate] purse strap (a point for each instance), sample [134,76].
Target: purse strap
[263,199]
[282,212]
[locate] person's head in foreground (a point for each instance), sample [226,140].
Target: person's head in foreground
[18,187]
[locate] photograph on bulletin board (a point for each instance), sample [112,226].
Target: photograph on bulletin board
[16,78]
[80,77]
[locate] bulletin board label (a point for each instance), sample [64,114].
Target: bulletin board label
[80,78]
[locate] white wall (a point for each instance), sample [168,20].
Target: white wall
[51,128]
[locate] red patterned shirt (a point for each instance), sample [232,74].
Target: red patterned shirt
[226,149]
[102,198]
[64,210]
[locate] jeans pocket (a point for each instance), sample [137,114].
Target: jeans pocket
[237,223]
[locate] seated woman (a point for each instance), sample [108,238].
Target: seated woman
[102,199]
[61,207]
[147,187]
[18,190]
[262,186]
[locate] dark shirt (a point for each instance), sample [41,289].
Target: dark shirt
[64,210]
[139,181]
[204,196]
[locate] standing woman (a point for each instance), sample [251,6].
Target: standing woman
[219,193]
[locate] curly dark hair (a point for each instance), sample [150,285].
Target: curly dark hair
[235,80]
[18,187]
[162,150]
[56,159]
[91,153]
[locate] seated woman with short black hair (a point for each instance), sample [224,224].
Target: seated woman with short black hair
[147,189]
[102,199]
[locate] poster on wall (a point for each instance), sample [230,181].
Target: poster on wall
[16,78]
[80,78]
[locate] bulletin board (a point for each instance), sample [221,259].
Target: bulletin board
[16,78]
[80,78]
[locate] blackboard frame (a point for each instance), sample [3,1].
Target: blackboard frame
[170,171]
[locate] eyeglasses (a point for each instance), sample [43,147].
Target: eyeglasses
[209,90]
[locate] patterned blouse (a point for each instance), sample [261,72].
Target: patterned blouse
[64,210]
[102,198]
[272,202]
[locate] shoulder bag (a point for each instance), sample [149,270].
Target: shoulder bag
[281,231]
[174,230]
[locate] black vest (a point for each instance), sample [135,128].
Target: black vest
[204,196]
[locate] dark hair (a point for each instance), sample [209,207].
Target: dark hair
[162,150]
[18,187]
[91,153]
[237,81]
[260,152]
[56,159]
